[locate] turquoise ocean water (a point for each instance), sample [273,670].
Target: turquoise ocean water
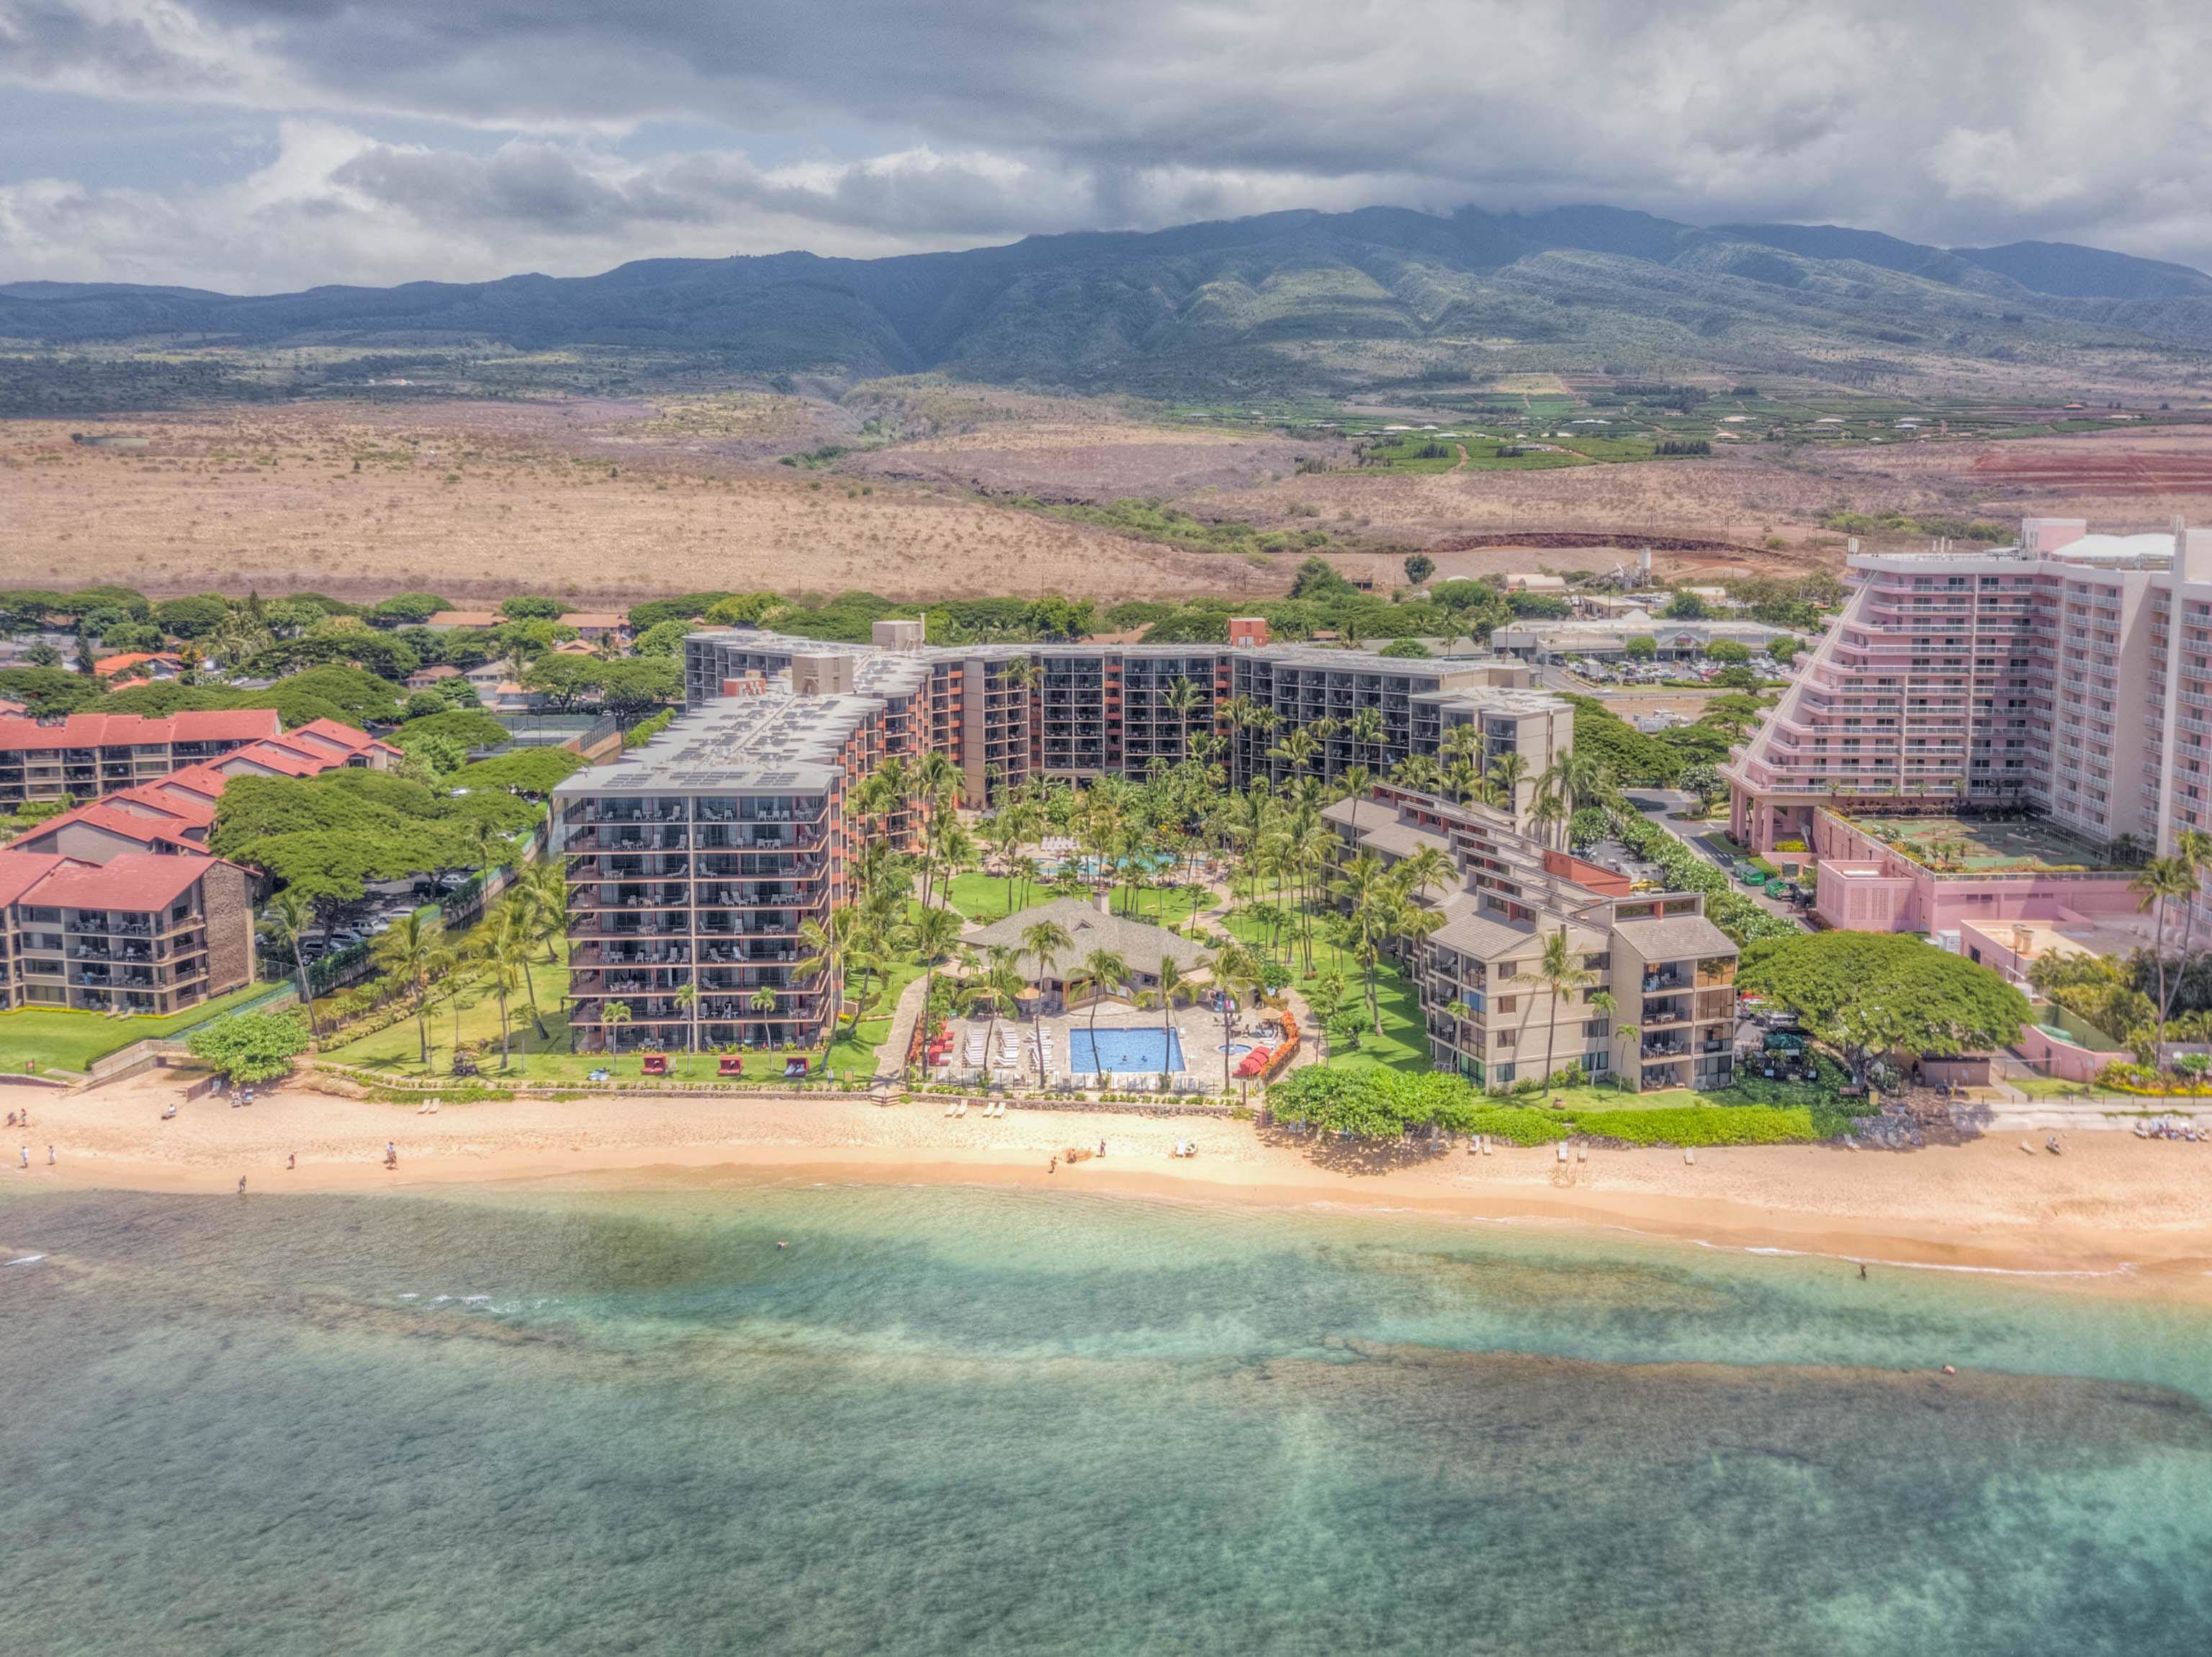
[949,1420]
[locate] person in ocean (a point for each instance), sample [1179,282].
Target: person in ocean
[241,1184]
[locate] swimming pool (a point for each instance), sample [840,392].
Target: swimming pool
[1136,1050]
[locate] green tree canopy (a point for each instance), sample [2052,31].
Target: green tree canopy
[532,606]
[1726,649]
[406,609]
[48,690]
[526,770]
[1643,647]
[1867,994]
[249,1047]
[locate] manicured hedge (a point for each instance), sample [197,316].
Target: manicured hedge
[1705,1124]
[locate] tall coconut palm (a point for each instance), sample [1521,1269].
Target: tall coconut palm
[1042,942]
[1502,784]
[828,950]
[2194,848]
[686,997]
[1183,699]
[1368,890]
[289,916]
[410,952]
[2160,882]
[1365,729]
[1558,970]
[763,1002]
[1100,971]
[933,934]
[1237,976]
[613,1017]
[1169,985]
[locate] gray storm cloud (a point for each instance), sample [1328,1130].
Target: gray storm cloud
[413,138]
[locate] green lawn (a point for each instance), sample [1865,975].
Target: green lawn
[1404,1042]
[396,1051]
[982,897]
[57,1039]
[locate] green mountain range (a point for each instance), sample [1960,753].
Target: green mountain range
[1286,303]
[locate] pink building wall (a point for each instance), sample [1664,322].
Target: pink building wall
[1864,885]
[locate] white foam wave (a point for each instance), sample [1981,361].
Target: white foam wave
[27,1260]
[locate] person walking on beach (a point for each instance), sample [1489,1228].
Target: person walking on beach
[241,1184]
[292,1160]
[27,1157]
[1054,1168]
[49,1156]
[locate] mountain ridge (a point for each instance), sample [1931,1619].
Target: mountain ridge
[1295,298]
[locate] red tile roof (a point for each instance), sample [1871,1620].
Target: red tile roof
[140,825]
[22,870]
[108,666]
[124,730]
[134,881]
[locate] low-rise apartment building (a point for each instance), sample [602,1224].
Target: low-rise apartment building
[88,755]
[1669,971]
[139,932]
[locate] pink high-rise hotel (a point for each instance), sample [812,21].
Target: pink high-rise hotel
[2070,677]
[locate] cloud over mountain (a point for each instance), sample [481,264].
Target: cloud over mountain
[333,141]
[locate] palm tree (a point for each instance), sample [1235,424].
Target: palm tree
[1299,751]
[1558,970]
[2193,847]
[543,889]
[1101,971]
[1548,813]
[519,918]
[933,933]
[1182,698]
[999,987]
[1368,890]
[487,947]
[1043,941]
[1605,1003]
[762,1001]
[1237,974]
[1352,783]
[409,952]
[828,950]
[489,843]
[289,916]
[613,1016]
[686,997]
[1365,730]
[1427,867]
[2160,881]
[1170,981]
[1502,782]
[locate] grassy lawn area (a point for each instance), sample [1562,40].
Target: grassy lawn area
[982,897]
[59,1039]
[1404,1042]
[396,1051]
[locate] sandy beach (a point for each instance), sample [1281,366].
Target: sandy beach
[2113,1209]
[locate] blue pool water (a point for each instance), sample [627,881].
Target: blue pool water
[1135,1051]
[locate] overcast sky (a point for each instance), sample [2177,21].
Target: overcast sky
[258,146]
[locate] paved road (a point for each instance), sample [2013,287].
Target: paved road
[1672,810]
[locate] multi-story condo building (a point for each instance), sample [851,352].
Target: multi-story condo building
[141,933]
[2043,676]
[695,861]
[88,755]
[1670,971]
[1006,712]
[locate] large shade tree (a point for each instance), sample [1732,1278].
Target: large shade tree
[1869,993]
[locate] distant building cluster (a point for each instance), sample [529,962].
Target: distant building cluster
[117,904]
